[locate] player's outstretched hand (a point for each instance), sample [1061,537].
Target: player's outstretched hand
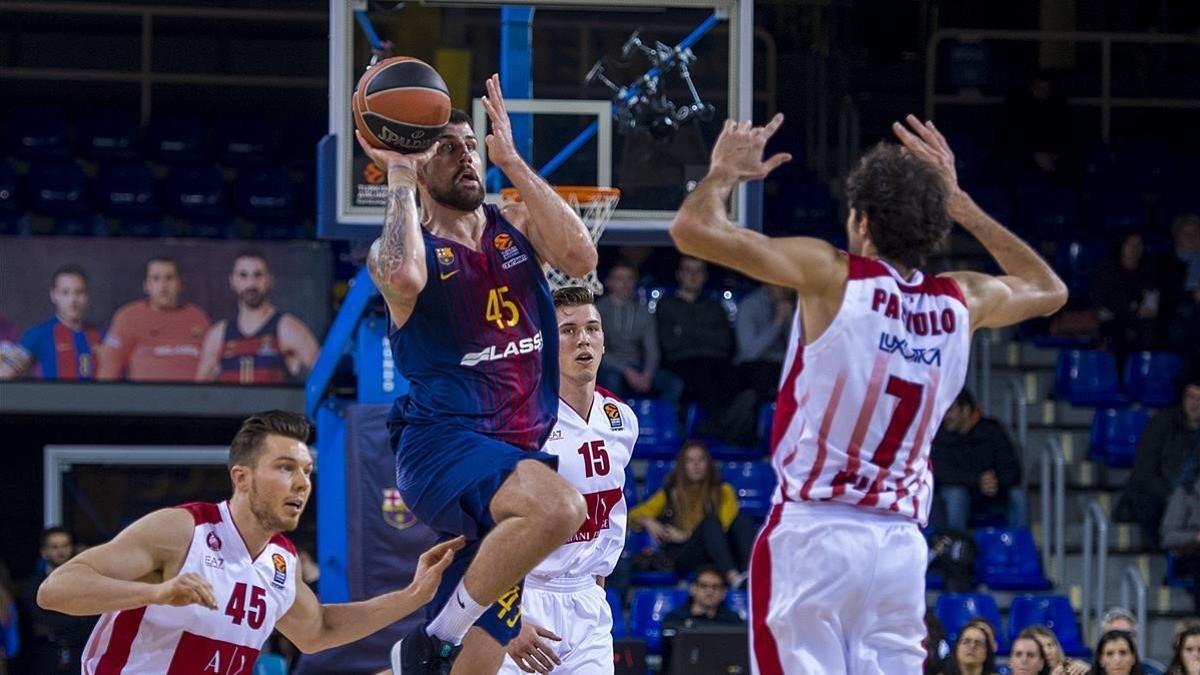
[530,652]
[501,150]
[430,567]
[186,589]
[738,152]
[925,141]
[386,159]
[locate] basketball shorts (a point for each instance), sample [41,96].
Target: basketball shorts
[575,609]
[447,477]
[835,588]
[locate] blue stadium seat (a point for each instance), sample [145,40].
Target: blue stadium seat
[658,428]
[1052,611]
[126,189]
[754,483]
[10,188]
[618,612]
[143,227]
[934,581]
[1172,578]
[108,135]
[631,492]
[1114,211]
[656,472]
[57,188]
[1087,377]
[245,140]
[177,139]
[1150,377]
[635,543]
[10,635]
[265,194]
[39,132]
[79,225]
[738,601]
[1115,434]
[1008,560]
[766,421]
[270,664]
[646,613]
[697,416]
[196,192]
[1047,212]
[954,610]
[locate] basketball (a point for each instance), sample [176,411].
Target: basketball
[401,104]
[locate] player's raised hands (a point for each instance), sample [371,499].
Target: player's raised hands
[530,652]
[185,589]
[501,149]
[430,567]
[387,159]
[925,141]
[738,152]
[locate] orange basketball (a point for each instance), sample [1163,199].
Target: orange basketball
[401,104]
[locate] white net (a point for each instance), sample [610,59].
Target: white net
[595,207]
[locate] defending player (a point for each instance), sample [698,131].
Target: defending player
[878,352]
[593,440]
[197,589]
[474,334]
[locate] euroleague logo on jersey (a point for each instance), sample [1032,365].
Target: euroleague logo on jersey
[613,413]
[280,571]
[511,255]
[213,541]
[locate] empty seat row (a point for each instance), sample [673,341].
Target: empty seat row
[754,483]
[1006,559]
[1088,377]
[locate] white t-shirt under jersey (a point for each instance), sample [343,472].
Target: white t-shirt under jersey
[252,594]
[858,407]
[592,456]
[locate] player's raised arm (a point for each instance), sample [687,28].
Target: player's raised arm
[397,258]
[1029,286]
[313,627]
[552,225]
[702,229]
[125,573]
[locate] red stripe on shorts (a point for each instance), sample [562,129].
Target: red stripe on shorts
[763,645]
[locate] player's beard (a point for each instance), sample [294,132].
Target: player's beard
[266,517]
[458,197]
[252,298]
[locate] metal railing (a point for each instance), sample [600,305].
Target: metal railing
[1053,532]
[1015,414]
[1106,102]
[1095,526]
[1132,578]
[983,369]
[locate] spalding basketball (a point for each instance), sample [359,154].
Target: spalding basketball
[401,104]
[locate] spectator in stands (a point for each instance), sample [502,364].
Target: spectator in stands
[1186,660]
[705,604]
[156,339]
[976,469]
[1119,618]
[1039,130]
[974,651]
[1116,654]
[1167,446]
[1028,657]
[51,642]
[696,339]
[260,344]
[1181,533]
[1059,662]
[1184,624]
[694,517]
[1180,270]
[764,321]
[936,648]
[64,346]
[631,354]
[1126,295]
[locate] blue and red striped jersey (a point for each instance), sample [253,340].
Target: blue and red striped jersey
[62,353]
[252,359]
[480,349]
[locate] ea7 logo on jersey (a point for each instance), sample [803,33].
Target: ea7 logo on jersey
[495,353]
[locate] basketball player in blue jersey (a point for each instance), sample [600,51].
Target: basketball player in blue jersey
[474,331]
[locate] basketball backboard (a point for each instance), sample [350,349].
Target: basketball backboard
[569,128]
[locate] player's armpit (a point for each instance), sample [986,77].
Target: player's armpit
[122,573]
[998,301]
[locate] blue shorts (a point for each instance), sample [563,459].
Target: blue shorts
[447,477]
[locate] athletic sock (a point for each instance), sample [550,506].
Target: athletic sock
[456,617]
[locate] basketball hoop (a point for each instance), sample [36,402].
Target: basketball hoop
[595,206]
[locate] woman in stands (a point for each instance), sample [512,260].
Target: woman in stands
[1116,655]
[1028,657]
[695,518]
[1059,663]
[974,651]
[1187,653]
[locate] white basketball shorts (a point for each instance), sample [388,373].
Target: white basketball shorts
[835,588]
[576,609]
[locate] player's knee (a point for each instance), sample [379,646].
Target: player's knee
[565,510]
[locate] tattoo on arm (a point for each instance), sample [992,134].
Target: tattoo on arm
[389,252]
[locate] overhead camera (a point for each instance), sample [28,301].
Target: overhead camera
[642,104]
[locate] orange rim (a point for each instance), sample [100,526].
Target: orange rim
[581,193]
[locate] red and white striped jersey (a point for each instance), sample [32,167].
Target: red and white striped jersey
[252,594]
[858,407]
[592,456]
